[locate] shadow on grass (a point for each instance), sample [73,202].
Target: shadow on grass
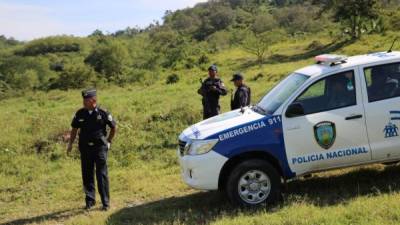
[332,190]
[206,207]
[60,215]
[278,58]
[199,208]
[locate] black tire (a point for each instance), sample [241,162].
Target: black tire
[241,172]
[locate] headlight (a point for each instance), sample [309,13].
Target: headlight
[199,147]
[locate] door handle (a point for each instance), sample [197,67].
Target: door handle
[295,127]
[352,117]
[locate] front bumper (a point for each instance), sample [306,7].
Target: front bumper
[202,171]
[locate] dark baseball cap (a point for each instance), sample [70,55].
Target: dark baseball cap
[213,68]
[237,76]
[88,93]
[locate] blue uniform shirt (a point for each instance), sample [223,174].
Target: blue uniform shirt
[92,125]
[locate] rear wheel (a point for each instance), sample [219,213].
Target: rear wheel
[253,182]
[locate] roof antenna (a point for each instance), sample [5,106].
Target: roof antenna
[390,50]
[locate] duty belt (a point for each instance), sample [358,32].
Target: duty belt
[96,142]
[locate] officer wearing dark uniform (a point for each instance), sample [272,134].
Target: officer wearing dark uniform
[242,95]
[93,146]
[211,89]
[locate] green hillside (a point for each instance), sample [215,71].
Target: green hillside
[40,184]
[40,84]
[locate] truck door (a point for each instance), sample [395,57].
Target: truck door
[382,109]
[330,131]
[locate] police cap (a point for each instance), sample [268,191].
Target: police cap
[213,68]
[237,76]
[88,93]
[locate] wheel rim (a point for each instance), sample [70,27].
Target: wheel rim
[254,187]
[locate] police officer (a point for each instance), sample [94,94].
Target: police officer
[93,146]
[211,89]
[242,95]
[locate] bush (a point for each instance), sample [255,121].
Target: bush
[132,75]
[75,76]
[394,20]
[141,76]
[4,87]
[15,67]
[315,45]
[172,79]
[108,59]
[26,81]
[257,77]
[203,59]
[219,40]
[50,45]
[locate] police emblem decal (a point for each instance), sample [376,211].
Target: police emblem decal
[325,134]
[196,132]
[391,129]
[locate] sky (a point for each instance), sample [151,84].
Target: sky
[30,19]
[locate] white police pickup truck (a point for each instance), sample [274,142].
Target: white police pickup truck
[337,113]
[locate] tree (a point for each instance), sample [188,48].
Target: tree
[221,17]
[185,22]
[96,33]
[15,67]
[109,59]
[298,19]
[258,44]
[127,32]
[355,14]
[243,18]
[263,22]
[8,42]
[236,3]
[75,76]
[26,81]
[219,40]
[48,45]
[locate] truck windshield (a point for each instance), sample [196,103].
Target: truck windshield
[280,93]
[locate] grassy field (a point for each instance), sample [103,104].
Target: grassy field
[39,184]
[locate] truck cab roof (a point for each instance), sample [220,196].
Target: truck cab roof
[350,62]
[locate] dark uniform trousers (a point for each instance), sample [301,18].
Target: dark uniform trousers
[210,110]
[95,158]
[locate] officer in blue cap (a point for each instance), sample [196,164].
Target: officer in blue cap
[242,95]
[92,122]
[211,89]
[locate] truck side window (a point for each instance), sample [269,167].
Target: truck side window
[382,81]
[332,92]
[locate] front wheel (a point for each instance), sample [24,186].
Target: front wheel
[253,182]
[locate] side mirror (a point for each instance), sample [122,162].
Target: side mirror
[295,109]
